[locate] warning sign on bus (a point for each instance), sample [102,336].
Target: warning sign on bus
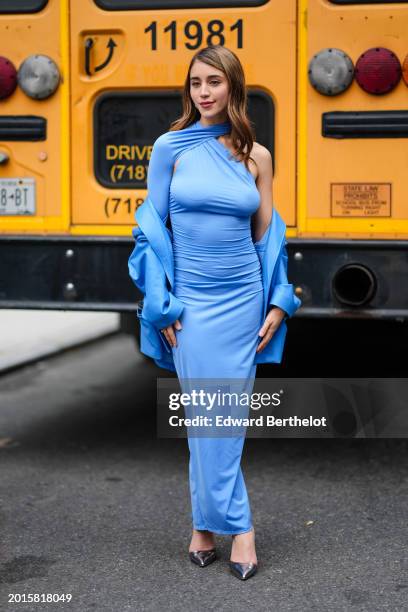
[360,199]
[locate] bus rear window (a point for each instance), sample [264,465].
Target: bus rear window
[126,5]
[21,6]
[126,124]
[368,1]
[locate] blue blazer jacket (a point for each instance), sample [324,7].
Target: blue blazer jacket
[151,268]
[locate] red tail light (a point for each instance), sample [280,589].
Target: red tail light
[378,70]
[405,70]
[8,78]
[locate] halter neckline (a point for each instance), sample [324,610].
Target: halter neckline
[223,124]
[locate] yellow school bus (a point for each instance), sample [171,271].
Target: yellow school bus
[86,86]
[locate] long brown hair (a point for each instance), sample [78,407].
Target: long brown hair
[242,131]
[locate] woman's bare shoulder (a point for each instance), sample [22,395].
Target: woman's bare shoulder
[260,153]
[262,158]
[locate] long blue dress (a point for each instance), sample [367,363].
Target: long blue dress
[218,278]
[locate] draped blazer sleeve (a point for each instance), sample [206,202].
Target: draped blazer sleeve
[281,291]
[151,265]
[160,307]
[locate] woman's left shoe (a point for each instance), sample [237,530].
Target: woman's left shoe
[243,571]
[203,557]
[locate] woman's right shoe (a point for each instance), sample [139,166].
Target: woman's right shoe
[243,571]
[203,557]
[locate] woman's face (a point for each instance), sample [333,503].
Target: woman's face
[208,84]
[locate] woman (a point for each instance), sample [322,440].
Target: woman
[210,179]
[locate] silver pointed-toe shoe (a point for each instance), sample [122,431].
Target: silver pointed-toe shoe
[203,557]
[243,570]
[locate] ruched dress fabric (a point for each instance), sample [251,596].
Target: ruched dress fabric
[218,277]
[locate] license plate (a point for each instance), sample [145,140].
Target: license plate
[17,196]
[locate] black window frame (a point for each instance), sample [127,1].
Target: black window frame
[7,7]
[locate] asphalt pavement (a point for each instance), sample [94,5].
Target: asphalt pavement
[94,505]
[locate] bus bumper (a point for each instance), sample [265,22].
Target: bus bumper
[350,278]
[333,278]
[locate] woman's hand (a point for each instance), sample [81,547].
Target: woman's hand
[169,333]
[272,321]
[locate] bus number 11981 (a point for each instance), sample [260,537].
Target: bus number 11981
[194,32]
